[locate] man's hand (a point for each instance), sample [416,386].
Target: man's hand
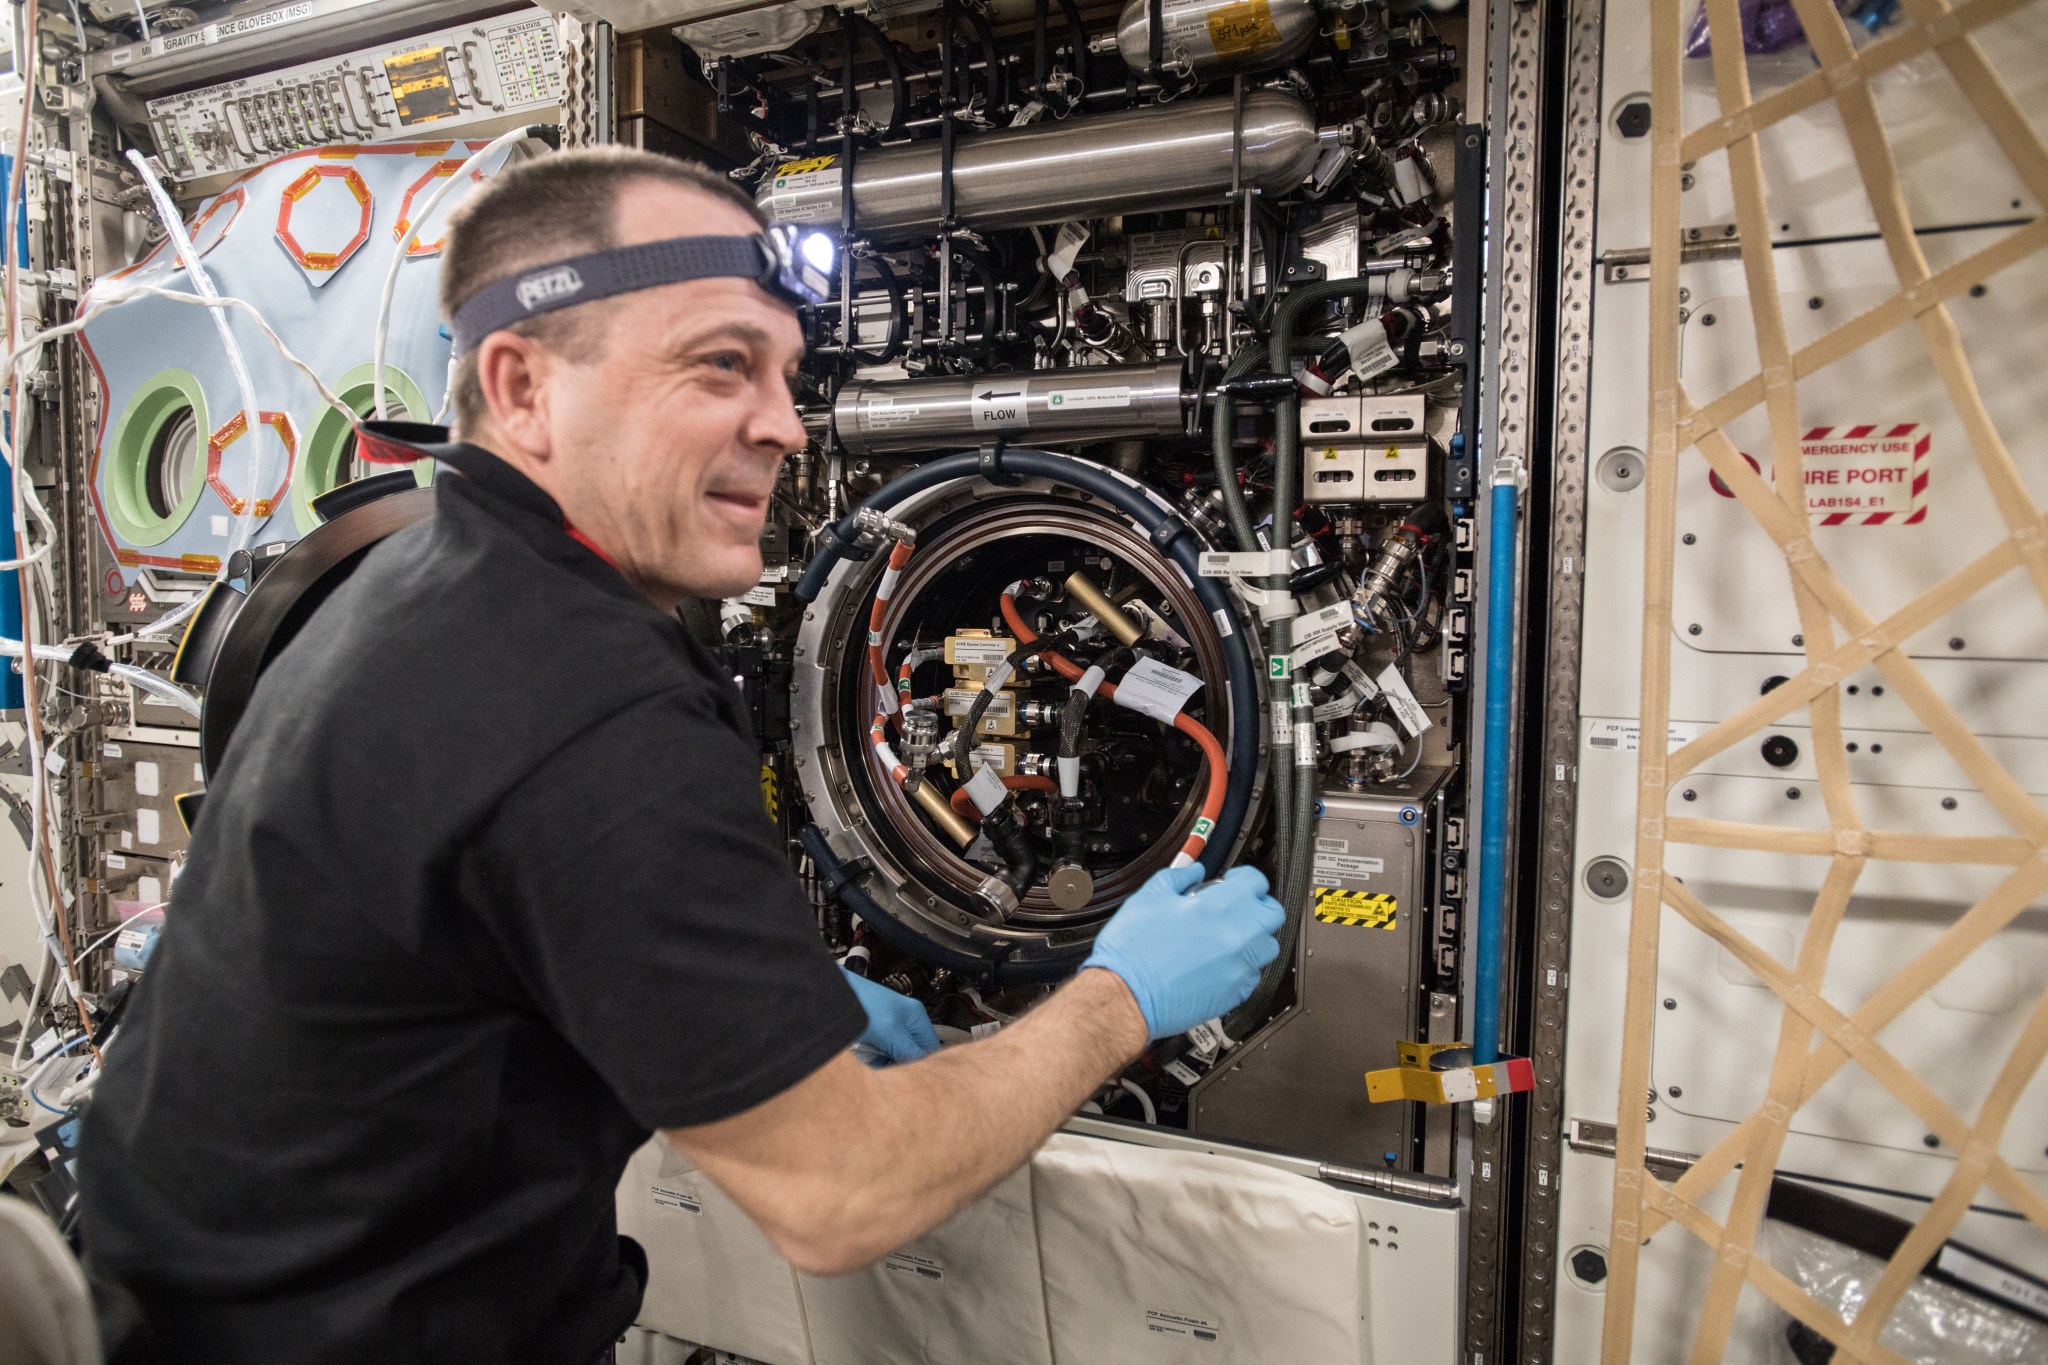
[1190,955]
[898,1027]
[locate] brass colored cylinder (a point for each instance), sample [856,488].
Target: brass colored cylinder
[944,815]
[1109,613]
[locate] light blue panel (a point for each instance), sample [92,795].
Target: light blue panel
[318,200]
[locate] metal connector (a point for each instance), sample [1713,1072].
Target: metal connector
[871,528]
[1429,1189]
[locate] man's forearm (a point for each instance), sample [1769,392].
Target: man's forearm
[852,1163]
[977,1112]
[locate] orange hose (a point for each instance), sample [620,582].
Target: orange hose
[898,558]
[964,803]
[1212,752]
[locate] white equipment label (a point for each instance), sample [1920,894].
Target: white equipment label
[148,826]
[1316,633]
[818,210]
[760,595]
[146,780]
[986,790]
[887,412]
[2005,1284]
[1060,400]
[1407,710]
[1182,1072]
[908,1263]
[680,1201]
[960,701]
[1331,867]
[979,649]
[1154,689]
[1625,736]
[1182,1325]
[1000,404]
[1870,475]
[1371,354]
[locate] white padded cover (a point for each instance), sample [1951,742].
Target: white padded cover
[968,1290]
[713,1278]
[1156,1257]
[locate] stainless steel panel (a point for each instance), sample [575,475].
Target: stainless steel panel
[1042,407]
[1139,161]
[1299,1084]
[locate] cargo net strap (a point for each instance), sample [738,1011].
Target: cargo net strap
[1816,1038]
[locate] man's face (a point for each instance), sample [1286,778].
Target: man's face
[667,438]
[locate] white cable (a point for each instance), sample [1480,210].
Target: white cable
[1144,1100]
[202,284]
[405,245]
[142,18]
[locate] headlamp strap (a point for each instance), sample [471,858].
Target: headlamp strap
[602,274]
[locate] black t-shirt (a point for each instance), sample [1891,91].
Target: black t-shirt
[483,893]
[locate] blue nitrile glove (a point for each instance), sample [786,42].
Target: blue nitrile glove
[898,1027]
[1190,955]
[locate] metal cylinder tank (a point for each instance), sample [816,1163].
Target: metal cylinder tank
[1206,38]
[1041,407]
[1139,161]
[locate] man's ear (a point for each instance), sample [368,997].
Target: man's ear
[513,373]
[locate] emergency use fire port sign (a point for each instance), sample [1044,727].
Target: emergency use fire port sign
[1870,475]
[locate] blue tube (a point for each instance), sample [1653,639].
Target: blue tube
[1495,748]
[10,581]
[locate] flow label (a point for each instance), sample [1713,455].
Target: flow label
[680,1201]
[1001,404]
[1153,689]
[1407,710]
[1182,1325]
[1625,736]
[907,1263]
[1061,400]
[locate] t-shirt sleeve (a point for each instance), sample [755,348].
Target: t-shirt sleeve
[640,895]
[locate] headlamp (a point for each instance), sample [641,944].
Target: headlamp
[782,260]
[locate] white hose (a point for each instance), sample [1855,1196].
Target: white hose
[1144,1100]
[155,684]
[202,284]
[406,244]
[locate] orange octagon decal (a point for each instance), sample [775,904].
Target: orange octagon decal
[303,186]
[440,170]
[232,431]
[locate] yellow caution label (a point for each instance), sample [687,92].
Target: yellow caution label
[1356,909]
[816,163]
[771,792]
[1245,28]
